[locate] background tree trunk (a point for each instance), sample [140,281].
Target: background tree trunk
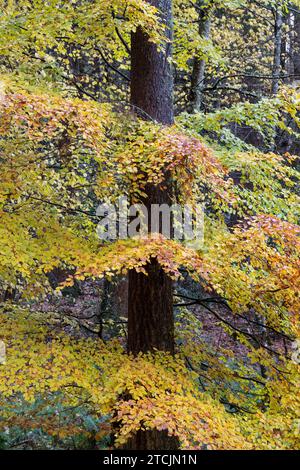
[198,72]
[150,301]
[296,48]
[277,50]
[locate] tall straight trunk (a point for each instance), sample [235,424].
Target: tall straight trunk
[150,309]
[150,298]
[286,140]
[289,48]
[278,30]
[277,50]
[151,71]
[198,72]
[296,48]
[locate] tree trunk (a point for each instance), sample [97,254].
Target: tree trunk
[150,302]
[296,48]
[286,141]
[198,72]
[277,50]
[151,71]
[151,440]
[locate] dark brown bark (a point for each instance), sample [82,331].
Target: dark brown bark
[150,302]
[150,313]
[150,324]
[151,71]
[150,308]
[151,440]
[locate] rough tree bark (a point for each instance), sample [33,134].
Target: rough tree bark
[198,72]
[150,298]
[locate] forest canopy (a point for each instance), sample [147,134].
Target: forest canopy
[152,341]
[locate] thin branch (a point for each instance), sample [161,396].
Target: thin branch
[84,92]
[223,302]
[230,88]
[110,65]
[61,206]
[123,41]
[238,330]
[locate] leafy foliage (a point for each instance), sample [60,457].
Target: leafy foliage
[61,154]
